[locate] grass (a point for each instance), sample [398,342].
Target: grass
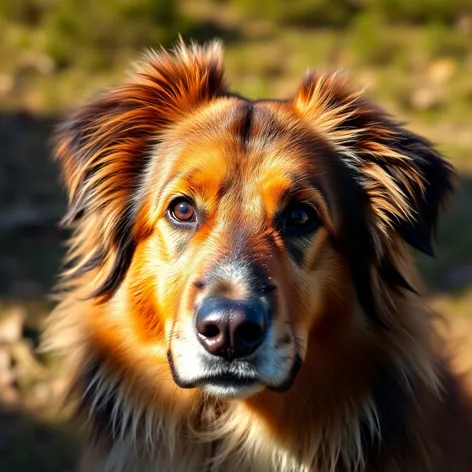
[421,74]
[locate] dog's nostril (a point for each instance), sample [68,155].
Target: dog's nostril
[210,331]
[249,332]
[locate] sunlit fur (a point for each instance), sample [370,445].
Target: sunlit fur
[374,391]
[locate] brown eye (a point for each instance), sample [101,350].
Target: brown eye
[300,218]
[182,211]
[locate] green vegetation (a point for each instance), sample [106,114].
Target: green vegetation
[413,56]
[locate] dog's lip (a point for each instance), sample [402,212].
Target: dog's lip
[221,378]
[227,379]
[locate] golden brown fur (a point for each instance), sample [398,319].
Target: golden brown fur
[374,391]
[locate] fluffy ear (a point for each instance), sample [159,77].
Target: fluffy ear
[103,147]
[403,176]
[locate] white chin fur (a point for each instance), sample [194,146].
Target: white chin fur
[231,391]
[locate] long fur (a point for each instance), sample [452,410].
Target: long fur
[384,399]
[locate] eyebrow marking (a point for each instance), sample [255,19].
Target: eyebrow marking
[246,123]
[301,185]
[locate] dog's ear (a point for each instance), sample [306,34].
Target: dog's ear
[103,147]
[403,176]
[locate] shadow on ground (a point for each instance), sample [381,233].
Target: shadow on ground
[31,247]
[30,445]
[31,204]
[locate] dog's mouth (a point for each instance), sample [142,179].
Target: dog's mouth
[227,381]
[224,382]
[230,386]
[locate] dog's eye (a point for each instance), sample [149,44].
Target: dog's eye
[300,218]
[182,211]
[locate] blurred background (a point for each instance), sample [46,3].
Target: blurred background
[414,57]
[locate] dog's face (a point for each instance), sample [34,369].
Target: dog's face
[230,239]
[240,245]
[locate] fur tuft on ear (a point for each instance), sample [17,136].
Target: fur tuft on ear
[403,176]
[104,146]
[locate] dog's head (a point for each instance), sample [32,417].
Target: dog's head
[227,239]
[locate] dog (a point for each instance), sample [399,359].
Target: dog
[239,293]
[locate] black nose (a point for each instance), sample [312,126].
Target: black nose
[231,328]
